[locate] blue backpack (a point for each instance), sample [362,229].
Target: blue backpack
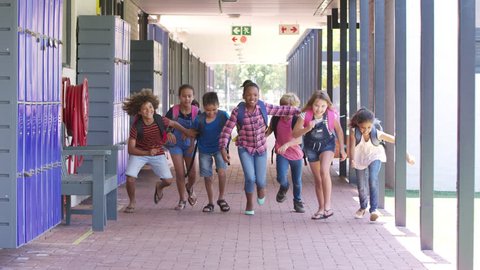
[373,134]
[241,113]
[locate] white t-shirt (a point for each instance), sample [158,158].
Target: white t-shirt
[366,153]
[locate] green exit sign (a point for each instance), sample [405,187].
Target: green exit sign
[241,30]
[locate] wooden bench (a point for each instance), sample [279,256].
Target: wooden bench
[100,182]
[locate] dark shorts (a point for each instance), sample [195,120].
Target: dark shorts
[314,149]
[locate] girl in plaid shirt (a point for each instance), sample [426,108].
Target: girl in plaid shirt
[251,142]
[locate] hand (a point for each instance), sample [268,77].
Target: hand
[171,138]
[410,159]
[353,163]
[225,155]
[192,133]
[283,148]
[343,155]
[311,125]
[153,152]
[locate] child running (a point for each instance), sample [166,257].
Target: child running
[319,126]
[367,152]
[209,124]
[181,148]
[289,152]
[251,118]
[145,144]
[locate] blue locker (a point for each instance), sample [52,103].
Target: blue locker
[44,168]
[29,154]
[40,176]
[20,179]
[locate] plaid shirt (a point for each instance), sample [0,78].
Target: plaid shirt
[252,134]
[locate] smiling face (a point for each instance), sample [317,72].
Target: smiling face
[365,127]
[186,97]
[250,96]
[319,107]
[211,110]
[147,111]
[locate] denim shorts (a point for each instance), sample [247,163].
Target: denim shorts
[313,150]
[206,163]
[180,149]
[159,165]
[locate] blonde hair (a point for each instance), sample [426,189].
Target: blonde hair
[290,99]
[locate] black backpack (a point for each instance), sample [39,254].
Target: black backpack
[273,127]
[157,119]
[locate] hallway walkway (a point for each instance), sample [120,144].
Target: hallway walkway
[158,237]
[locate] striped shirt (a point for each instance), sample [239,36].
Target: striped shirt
[152,139]
[252,134]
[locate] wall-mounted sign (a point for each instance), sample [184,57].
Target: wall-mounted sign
[241,30]
[288,29]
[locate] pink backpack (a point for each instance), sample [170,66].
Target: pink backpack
[176,111]
[332,115]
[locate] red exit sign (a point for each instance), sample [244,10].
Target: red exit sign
[288,29]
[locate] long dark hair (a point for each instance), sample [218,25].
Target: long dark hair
[361,116]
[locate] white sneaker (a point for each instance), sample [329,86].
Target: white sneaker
[360,213]
[374,215]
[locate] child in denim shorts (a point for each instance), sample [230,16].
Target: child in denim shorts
[209,125]
[319,126]
[145,146]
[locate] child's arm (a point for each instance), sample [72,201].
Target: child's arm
[292,142]
[225,135]
[339,131]
[353,141]
[133,150]
[281,110]
[386,137]
[299,130]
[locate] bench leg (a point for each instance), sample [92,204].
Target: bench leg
[68,210]
[112,205]
[99,213]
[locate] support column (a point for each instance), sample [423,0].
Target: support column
[343,76]
[329,57]
[318,52]
[400,112]
[466,134]
[364,44]
[389,120]
[352,72]
[427,136]
[379,83]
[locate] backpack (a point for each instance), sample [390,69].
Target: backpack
[176,111]
[332,115]
[241,113]
[273,127]
[373,134]
[157,119]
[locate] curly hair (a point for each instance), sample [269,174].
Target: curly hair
[361,116]
[318,94]
[133,103]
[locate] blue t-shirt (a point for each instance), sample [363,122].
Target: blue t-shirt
[208,139]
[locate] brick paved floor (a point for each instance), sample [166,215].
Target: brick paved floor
[158,237]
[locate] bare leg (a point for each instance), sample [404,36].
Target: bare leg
[180,175]
[192,175]
[222,179]
[325,163]
[131,191]
[315,167]
[209,188]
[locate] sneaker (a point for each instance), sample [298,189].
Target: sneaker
[282,194]
[360,213]
[298,206]
[374,215]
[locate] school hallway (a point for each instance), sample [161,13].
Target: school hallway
[276,237]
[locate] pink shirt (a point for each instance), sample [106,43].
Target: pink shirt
[252,134]
[284,135]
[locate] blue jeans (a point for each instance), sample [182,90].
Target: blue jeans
[373,170]
[205,162]
[282,179]
[254,169]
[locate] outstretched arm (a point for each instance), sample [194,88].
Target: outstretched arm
[386,137]
[299,130]
[341,141]
[292,142]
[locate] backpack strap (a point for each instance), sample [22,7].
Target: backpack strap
[138,124]
[308,118]
[157,118]
[332,116]
[373,136]
[201,122]
[195,111]
[274,124]
[175,111]
[241,112]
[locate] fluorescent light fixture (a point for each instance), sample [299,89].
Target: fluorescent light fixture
[322,7]
[229,1]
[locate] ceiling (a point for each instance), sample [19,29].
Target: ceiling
[205,26]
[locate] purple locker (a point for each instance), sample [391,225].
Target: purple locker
[20,179]
[38,226]
[45,172]
[29,181]
[22,9]
[57,147]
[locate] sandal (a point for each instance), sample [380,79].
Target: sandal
[181,205]
[318,215]
[223,205]
[328,213]
[208,208]
[158,195]
[192,197]
[129,209]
